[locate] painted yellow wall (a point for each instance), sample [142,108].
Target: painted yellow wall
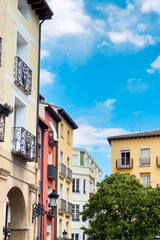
[30,31]
[67,148]
[134,145]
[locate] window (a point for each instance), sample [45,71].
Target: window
[68,136]
[61,191]
[75,236]
[84,236]
[0,51]
[61,156]
[61,130]
[75,185]
[84,185]
[67,228]
[48,232]
[60,228]
[20,114]
[75,159]
[68,162]
[54,130]
[22,48]
[90,187]
[144,157]
[145,180]
[125,157]
[50,156]
[82,158]
[75,212]
[23,8]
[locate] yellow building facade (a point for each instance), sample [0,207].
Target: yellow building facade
[19,68]
[137,154]
[65,160]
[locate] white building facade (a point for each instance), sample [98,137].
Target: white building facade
[86,174]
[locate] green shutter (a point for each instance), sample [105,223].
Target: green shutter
[82,158]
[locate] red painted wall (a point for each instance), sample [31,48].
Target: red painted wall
[46,181]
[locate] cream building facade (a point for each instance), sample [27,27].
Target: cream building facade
[137,154]
[19,70]
[65,151]
[86,174]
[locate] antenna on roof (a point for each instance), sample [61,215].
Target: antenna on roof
[132,130]
[140,125]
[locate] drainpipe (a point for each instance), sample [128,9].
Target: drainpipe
[56,189]
[38,87]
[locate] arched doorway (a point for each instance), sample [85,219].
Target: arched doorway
[15,214]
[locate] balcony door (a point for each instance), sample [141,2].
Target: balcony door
[125,157]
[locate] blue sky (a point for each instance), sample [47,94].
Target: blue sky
[100,61]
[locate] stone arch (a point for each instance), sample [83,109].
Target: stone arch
[17,222]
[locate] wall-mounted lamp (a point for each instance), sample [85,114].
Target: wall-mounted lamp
[38,208]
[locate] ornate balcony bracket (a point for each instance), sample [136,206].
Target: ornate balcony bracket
[22,75]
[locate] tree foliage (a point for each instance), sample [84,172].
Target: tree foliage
[123,208]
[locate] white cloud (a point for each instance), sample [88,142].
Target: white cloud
[155,66]
[89,136]
[46,77]
[110,102]
[150,6]
[69,19]
[136,85]
[137,113]
[44,53]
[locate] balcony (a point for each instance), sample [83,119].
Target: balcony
[52,172]
[2,128]
[62,205]
[23,144]
[128,164]
[62,170]
[22,75]
[51,140]
[158,161]
[69,174]
[144,162]
[69,208]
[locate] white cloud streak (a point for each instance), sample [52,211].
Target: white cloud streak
[136,85]
[150,6]
[44,53]
[155,66]
[89,136]
[46,77]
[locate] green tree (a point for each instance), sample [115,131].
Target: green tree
[123,208]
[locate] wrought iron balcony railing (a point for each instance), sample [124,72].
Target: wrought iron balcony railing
[69,208]
[52,172]
[22,75]
[69,174]
[144,162]
[23,144]
[62,169]
[62,205]
[2,128]
[158,161]
[124,164]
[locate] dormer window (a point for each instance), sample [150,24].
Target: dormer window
[23,8]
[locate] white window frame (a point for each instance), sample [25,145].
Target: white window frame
[76,212]
[21,12]
[61,151]
[75,189]
[148,180]
[144,164]
[124,150]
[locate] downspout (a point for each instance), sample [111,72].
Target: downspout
[56,188]
[39,57]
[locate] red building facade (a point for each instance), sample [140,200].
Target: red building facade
[47,164]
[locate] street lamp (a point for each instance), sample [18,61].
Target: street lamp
[38,208]
[64,235]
